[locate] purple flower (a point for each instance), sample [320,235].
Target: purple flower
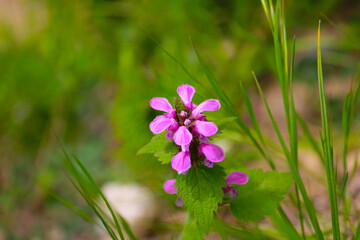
[169,186]
[207,105]
[212,152]
[238,178]
[186,93]
[181,162]
[160,123]
[204,128]
[170,189]
[188,127]
[182,136]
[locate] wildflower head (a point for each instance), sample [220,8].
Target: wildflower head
[188,127]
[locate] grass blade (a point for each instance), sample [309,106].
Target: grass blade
[293,167]
[88,175]
[310,138]
[72,207]
[84,192]
[327,149]
[256,124]
[357,233]
[343,188]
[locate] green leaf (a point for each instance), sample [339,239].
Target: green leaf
[261,195]
[201,191]
[162,148]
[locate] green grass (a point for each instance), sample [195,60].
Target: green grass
[326,138]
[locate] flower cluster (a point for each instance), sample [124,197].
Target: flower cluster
[188,127]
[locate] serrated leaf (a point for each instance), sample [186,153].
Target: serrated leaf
[162,148]
[201,191]
[261,195]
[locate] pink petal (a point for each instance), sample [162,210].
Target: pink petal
[238,178]
[186,93]
[212,152]
[185,148]
[183,114]
[227,189]
[160,123]
[169,186]
[206,129]
[208,163]
[203,139]
[192,107]
[161,104]
[169,135]
[181,162]
[187,122]
[233,193]
[171,114]
[174,125]
[207,105]
[179,202]
[182,136]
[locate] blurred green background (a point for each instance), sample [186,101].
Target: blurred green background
[84,71]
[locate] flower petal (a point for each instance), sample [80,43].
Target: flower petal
[181,162]
[161,104]
[208,163]
[160,123]
[227,189]
[238,178]
[212,152]
[207,105]
[182,136]
[169,186]
[169,134]
[174,125]
[185,148]
[186,93]
[206,129]
[233,193]
[179,202]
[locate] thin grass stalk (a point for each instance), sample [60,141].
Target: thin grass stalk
[85,191]
[88,175]
[285,220]
[266,8]
[327,148]
[311,139]
[301,217]
[357,233]
[280,60]
[293,137]
[89,201]
[294,170]
[256,125]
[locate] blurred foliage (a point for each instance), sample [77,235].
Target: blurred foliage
[85,71]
